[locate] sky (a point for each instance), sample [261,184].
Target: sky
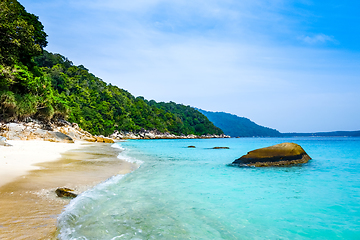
[290,65]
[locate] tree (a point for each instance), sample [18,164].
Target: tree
[22,35]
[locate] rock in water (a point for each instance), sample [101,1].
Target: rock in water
[220,148]
[277,155]
[65,192]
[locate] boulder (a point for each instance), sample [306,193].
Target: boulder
[99,139]
[220,148]
[60,137]
[89,139]
[65,193]
[191,147]
[276,155]
[108,140]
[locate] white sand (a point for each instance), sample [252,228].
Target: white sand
[17,160]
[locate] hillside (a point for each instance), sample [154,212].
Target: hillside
[193,120]
[102,108]
[236,126]
[36,84]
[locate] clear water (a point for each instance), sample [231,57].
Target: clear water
[185,193]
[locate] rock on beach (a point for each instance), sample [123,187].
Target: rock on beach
[277,155]
[65,193]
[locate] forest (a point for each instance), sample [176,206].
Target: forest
[36,84]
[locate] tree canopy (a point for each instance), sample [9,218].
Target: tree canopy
[102,108]
[24,90]
[22,35]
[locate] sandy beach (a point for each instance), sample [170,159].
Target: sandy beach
[32,170]
[23,156]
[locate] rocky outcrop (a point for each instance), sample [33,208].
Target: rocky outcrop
[63,131]
[60,131]
[154,134]
[33,131]
[104,139]
[65,193]
[277,155]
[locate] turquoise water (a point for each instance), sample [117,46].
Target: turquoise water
[185,193]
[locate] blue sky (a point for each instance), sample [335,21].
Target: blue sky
[289,65]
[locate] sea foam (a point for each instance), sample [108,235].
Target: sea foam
[123,155]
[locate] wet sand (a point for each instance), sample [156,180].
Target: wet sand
[29,206]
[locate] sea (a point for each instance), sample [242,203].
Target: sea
[195,193]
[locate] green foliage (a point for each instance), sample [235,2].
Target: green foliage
[24,90]
[96,106]
[188,120]
[24,94]
[239,126]
[21,34]
[26,105]
[101,108]
[8,104]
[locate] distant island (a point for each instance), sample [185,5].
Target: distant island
[236,126]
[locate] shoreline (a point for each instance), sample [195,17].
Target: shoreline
[28,203]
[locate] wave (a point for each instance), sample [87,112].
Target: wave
[123,155]
[66,222]
[118,146]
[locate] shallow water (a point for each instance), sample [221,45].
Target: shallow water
[29,205]
[193,193]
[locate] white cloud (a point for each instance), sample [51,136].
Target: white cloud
[318,39]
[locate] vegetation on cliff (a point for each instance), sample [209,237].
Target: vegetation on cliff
[24,89]
[38,84]
[101,108]
[192,119]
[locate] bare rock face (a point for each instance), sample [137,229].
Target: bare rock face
[60,137]
[100,139]
[65,193]
[32,131]
[108,140]
[277,155]
[58,131]
[103,139]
